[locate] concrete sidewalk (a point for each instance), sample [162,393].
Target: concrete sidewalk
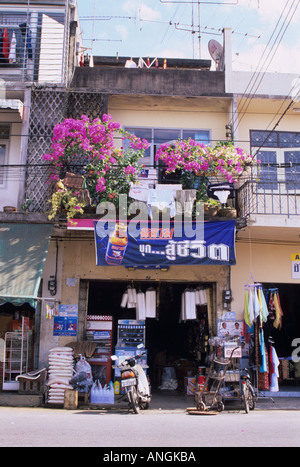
[166,401]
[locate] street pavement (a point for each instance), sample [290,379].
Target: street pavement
[165,426]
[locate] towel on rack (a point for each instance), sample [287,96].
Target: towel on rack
[188,305]
[124,300]
[150,303]
[132,298]
[140,306]
[185,200]
[161,200]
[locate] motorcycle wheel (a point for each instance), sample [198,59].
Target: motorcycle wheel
[133,398]
[144,405]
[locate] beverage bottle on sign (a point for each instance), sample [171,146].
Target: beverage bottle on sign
[117,245]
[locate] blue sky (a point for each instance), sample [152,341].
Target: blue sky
[265,32]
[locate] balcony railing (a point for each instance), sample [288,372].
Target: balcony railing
[278,198]
[39,188]
[35,46]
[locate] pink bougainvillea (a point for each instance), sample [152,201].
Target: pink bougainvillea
[90,145]
[190,156]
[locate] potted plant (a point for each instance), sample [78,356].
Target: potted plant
[196,160]
[64,199]
[227,211]
[88,147]
[211,207]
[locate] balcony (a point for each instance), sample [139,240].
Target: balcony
[275,198]
[34,47]
[38,190]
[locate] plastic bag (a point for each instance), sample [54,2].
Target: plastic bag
[83,365]
[96,393]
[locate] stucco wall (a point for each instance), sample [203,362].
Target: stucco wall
[78,261]
[268,262]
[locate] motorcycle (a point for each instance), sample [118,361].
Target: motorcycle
[134,382]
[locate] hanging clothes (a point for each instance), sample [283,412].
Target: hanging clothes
[12,58]
[26,33]
[150,303]
[250,307]
[140,306]
[2,59]
[5,45]
[271,307]
[278,312]
[188,305]
[246,309]
[256,304]
[264,307]
[263,373]
[161,200]
[185,200]
[274,370]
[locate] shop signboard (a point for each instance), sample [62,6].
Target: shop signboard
[164,245]
[65,324]
[295,265]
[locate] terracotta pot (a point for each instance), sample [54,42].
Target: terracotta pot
[229,213]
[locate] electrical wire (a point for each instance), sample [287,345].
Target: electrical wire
[238,118]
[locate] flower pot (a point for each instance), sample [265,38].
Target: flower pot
[210,211]
[229,213]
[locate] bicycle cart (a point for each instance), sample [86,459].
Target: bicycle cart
[238,386]
[210,398]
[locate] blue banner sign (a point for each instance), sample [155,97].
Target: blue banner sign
[161,245]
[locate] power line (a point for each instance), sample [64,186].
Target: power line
[257,76]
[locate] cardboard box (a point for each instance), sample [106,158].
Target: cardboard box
[190,385]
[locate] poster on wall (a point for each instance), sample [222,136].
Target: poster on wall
[230,328]
[65,323]
[164,244]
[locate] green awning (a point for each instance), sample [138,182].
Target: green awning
[23,251]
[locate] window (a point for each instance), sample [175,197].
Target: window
[292,169]
[158,136]
[4,137]
[282,162]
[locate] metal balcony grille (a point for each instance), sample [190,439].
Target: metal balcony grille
[255,198]
[49,107]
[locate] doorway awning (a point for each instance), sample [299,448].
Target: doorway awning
[23,251]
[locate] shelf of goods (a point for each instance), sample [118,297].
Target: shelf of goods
[99,331]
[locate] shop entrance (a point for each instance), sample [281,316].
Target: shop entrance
[284,338]
[174,347]
[19,355]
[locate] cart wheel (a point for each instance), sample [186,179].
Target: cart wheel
[201,406]
[251,395]
[220,407]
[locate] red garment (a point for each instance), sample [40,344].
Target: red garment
[5,47]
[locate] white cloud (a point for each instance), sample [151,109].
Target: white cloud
[148,13]
[258,58]
[122,31]
[140,8]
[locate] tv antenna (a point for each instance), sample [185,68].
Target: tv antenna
[198,2]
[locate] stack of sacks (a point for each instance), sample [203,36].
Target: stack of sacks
[61,370]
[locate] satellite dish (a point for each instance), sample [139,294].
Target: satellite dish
[216,52]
